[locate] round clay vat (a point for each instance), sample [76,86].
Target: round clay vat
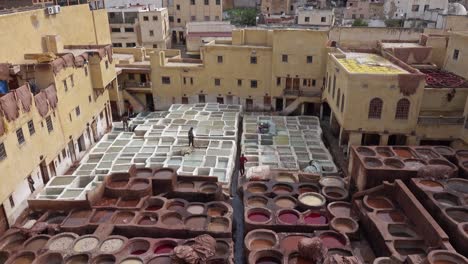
[104,259]
[118,181]
[445,257]
[154,204]
[332,181]
[101,216]
[394,163]
[257,201]
[304,188]
[331,239]
[447,199]
[176,205]
[280,189]
[25,257]
[462,154]
[287,217]
[314,218]
[13,241]
[128,202]
[430,185]
[385,152]
[36,243]
[285,201]
[295,258]
[344,225]
[463,229]
[147,219]
[414,164]
[137,246]
[112,244]
[61,242]
[164,173]
[266,257]
[144,172]
[222,249]
[160,260]
[377,203]
[340,209]
[290,242]
[4,255]
[442,162]
[257,188]
[364,151]
[340,252]
[164,247]
[77,217]
[139,184]
[383,260]
[56,218]
[132,260]
[260,239]
[335,193]
[311,200]
[309,177]
[123,217]
[285,177]
[49,258]
[458,185]
[77,259]
[391,216]
[209,187]
[218,224]
[85,244]
[196,222]
[217,209]
[196,208]
[401,231]
[216,260]
[171,219]
[186,186]
[106,202]
[258,215]
[372,162]
[457,214]
[444,151]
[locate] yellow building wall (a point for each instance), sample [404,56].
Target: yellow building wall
[458,41]
[199,10]
[74,24]
[435,102]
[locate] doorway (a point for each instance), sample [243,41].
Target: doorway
[397,140]
[71,148]
[249,104]
[279,104]
[370,140]
[149,102]
[44,172]
[143,78]
[53,172]
[220,100]
[229,99]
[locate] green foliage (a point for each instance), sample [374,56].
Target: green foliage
[243,16]
[360,23]
[394,23]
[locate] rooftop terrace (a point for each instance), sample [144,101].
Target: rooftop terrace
[368,63]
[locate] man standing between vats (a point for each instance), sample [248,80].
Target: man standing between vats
[190,137]
[242,162]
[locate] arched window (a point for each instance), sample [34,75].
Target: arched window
[342,103]
[402,109]
[375,108]
[338,98]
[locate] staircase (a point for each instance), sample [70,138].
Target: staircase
[137,104]
[293,106]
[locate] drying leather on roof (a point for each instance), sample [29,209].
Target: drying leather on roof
[9,106]
[41,103]
[25,97]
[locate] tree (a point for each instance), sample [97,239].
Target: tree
[360,23]
[394,23]
[243,16]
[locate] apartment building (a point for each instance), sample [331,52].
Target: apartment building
[307,16]
[262,69]
[139,25]
[367,9]
[201,33]
[411,92]
[412,9]
[183,11]
[54,97]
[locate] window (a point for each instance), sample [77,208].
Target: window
[86,69]
[178,7]
[216,18]
[361,16]
[65,85]
[415,8]
[115,30]
[3,154]
[151,33]
[129,29]
[284,58]
[253,59]
[456,53]
[217,82]
[12,201]
[342,103]
[193,18]
[314,82]
[375,108]
[72,81]
[304,82]
[178,20]
[77,111]
[171,19]
[207,2]
[191,81]
[207,18]
[334,86]
[218,2]
[31,128]
[20,136]
[278,81]
[310,59]
[89,98]
[426,7]
[201,98]
[253,83]
[131,76]
[338,98]
[50,126]
[155,18]
[402,109]
[166,80]
[185,81]
[353,16]
[329,83]
[184,100]
[155,46]
[145,18]
[130,45]
[192,2]
[307,19]
[31,183]
[64,153]
[70,117]
[107,64]
[323,19]
[291,8]
[220,59]
[239,82]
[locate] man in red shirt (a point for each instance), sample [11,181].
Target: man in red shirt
[242,162]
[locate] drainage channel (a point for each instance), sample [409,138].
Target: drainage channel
[237,205]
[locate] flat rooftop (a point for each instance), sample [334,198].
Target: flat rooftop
[368,63]
[389,45]
[436,78]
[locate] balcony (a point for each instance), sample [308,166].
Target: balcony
[302,92]
[135,85]
[441,120]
